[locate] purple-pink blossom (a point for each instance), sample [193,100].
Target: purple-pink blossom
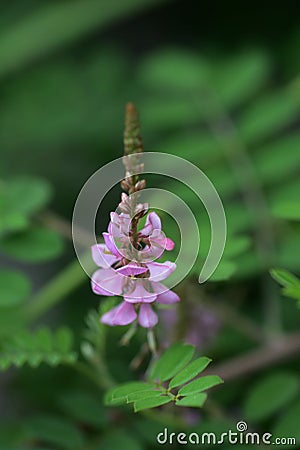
[128,268]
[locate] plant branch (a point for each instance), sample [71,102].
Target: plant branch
[259,359]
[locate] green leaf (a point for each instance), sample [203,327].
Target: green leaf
[267,115]
[34,348]
[288,425]
[64,339]
[27,195]
[201,384]
[174,70]
[193,401]
[289,210]
[12,222]
[250,70]
[56,431]
[190,371]
[270,394]
[34,245]
[224,271]
[84,407]
[69,20]
[172,361]
[143,394]
[119,394]
[148,403]
[14,288]
[284,277]
[117,439]
[236,245]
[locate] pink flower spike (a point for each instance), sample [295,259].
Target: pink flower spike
[131,270]
[122,314]
[147,317]
[160,271]
[102,257]
[167,298]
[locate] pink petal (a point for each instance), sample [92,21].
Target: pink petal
[168,297]
[102,257]
[155,221]
[147,317]
[131,270]
[160,271]
[122,314]
[152,223]
[107,282]
[150,253]
[140,294]
[110,244]
[169,245]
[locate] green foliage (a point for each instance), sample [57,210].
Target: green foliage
[289,210]
[20,198]
[172,361]
[35,30]
[290,283]
[287,425]
[14,288]
[120,438]
[172,365]
[190,371]
[83,407]
[57,431]
[38,347]
[35,245]
[196,117]
[270,395]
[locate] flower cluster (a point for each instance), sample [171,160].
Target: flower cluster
[128,267]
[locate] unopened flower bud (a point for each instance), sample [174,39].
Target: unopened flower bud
[125,185]
[140,185]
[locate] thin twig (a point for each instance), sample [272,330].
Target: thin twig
[256,360]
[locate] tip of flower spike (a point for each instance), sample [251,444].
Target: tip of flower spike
[130,108]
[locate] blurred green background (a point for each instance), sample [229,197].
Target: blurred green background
[216,84]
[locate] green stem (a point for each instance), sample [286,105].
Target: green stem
[57,290]
[84,369]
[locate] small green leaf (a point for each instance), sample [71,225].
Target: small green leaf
[64,339]
[190,371]
[224,271]
[201,384]
[12,222]
[172,361]
[55,430]
[284,277]
[289,210]
[14,288]
[35,245]
[288,425]
[33,349]
[268,115]
[84,407]
[143,394]
[193,401]
[118,438]
[270,395]
[148,403]
[119,394]
[27,195]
